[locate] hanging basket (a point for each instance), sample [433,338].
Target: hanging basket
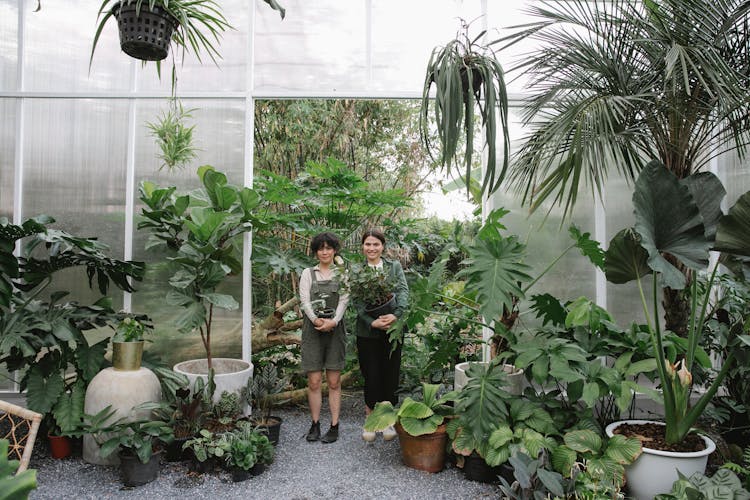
[145,36]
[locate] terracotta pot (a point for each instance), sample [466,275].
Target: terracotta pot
[59,446]
[426,452]
[655,471]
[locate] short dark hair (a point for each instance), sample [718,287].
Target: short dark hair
[375,233]
[322,239]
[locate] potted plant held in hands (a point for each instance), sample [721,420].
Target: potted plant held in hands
[372,287]
[677,220]
[421,427]
[203,231]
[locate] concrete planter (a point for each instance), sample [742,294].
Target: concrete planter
[229,374]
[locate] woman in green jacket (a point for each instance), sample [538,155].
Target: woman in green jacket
[379,366]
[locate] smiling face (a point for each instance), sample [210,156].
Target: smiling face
[325,254]
[373,249]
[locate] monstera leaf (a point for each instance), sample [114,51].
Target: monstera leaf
[668,220]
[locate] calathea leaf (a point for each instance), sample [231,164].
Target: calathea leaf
[669,221]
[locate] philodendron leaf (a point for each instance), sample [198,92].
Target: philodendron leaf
[68,410]
[495,271]
[669,221]
[625,259]
[41,393]
[733,233]
[588,247]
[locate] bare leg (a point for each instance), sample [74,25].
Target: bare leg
[314,394]
[333,377]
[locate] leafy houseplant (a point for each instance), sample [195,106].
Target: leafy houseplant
[467,76]
[249,451]
[723,484]
[370,286]
[43,337]
[267,383]
[681,218]
[202,231]
[198,25]
[14,486]
[173,136]
[414,420]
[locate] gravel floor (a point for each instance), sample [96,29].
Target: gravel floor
[348,468]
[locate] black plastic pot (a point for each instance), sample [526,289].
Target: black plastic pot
[476,469]
[239,475]
[145,36]
[257,469]
[174,451]
[272,428]
[135,473]
[386,308]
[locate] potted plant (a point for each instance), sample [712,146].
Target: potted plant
[249,452]
[202,230]
[421,427]
[207,450]
[43,335]
[680,219]
[265,384]
[482,408]
[127,344]
[372,287]
[149,27]
[139,445]
[468,78]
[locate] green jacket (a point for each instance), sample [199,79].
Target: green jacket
[364,320]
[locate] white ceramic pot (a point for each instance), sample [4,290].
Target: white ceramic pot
[655,471]
[516,380]
[229,374]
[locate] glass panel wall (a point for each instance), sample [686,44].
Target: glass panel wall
[7,156]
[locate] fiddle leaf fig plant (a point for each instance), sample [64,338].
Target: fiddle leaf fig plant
[678,219]
[202,230]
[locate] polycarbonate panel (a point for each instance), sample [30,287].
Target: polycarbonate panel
[219,133]
[229,74]
[319,47]
[8,44]
[7,156]
[57,49]
[74,171]
[623,300]
[734,175]
[404,35]
[574,275]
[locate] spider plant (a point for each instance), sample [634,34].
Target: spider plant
[467,78]
[173,136]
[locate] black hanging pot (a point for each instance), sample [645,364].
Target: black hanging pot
[145,36]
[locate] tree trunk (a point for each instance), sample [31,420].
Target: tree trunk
[273,331]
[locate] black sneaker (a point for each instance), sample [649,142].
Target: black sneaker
[332,434]
[314,433]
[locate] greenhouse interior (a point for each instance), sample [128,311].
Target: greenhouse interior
[505,244]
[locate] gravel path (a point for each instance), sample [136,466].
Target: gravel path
[348,468]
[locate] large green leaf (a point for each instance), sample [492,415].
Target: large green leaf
[414,409]
[623,450]
[583,441]
[41,392]
[563,460]
[222,300]
[625,259]
[669,221]
[482,401]
[68,410]
[733,233]
[708,192]
[495,271]
[421,426]
[382,416]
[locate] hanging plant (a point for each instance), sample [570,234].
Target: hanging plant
[174,137]
[467,78]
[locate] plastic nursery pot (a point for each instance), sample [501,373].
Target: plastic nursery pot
[135,473]
[272,428]
[59,446]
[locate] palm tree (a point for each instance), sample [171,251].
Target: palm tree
[615,84]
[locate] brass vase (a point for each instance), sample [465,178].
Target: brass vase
[126,356]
